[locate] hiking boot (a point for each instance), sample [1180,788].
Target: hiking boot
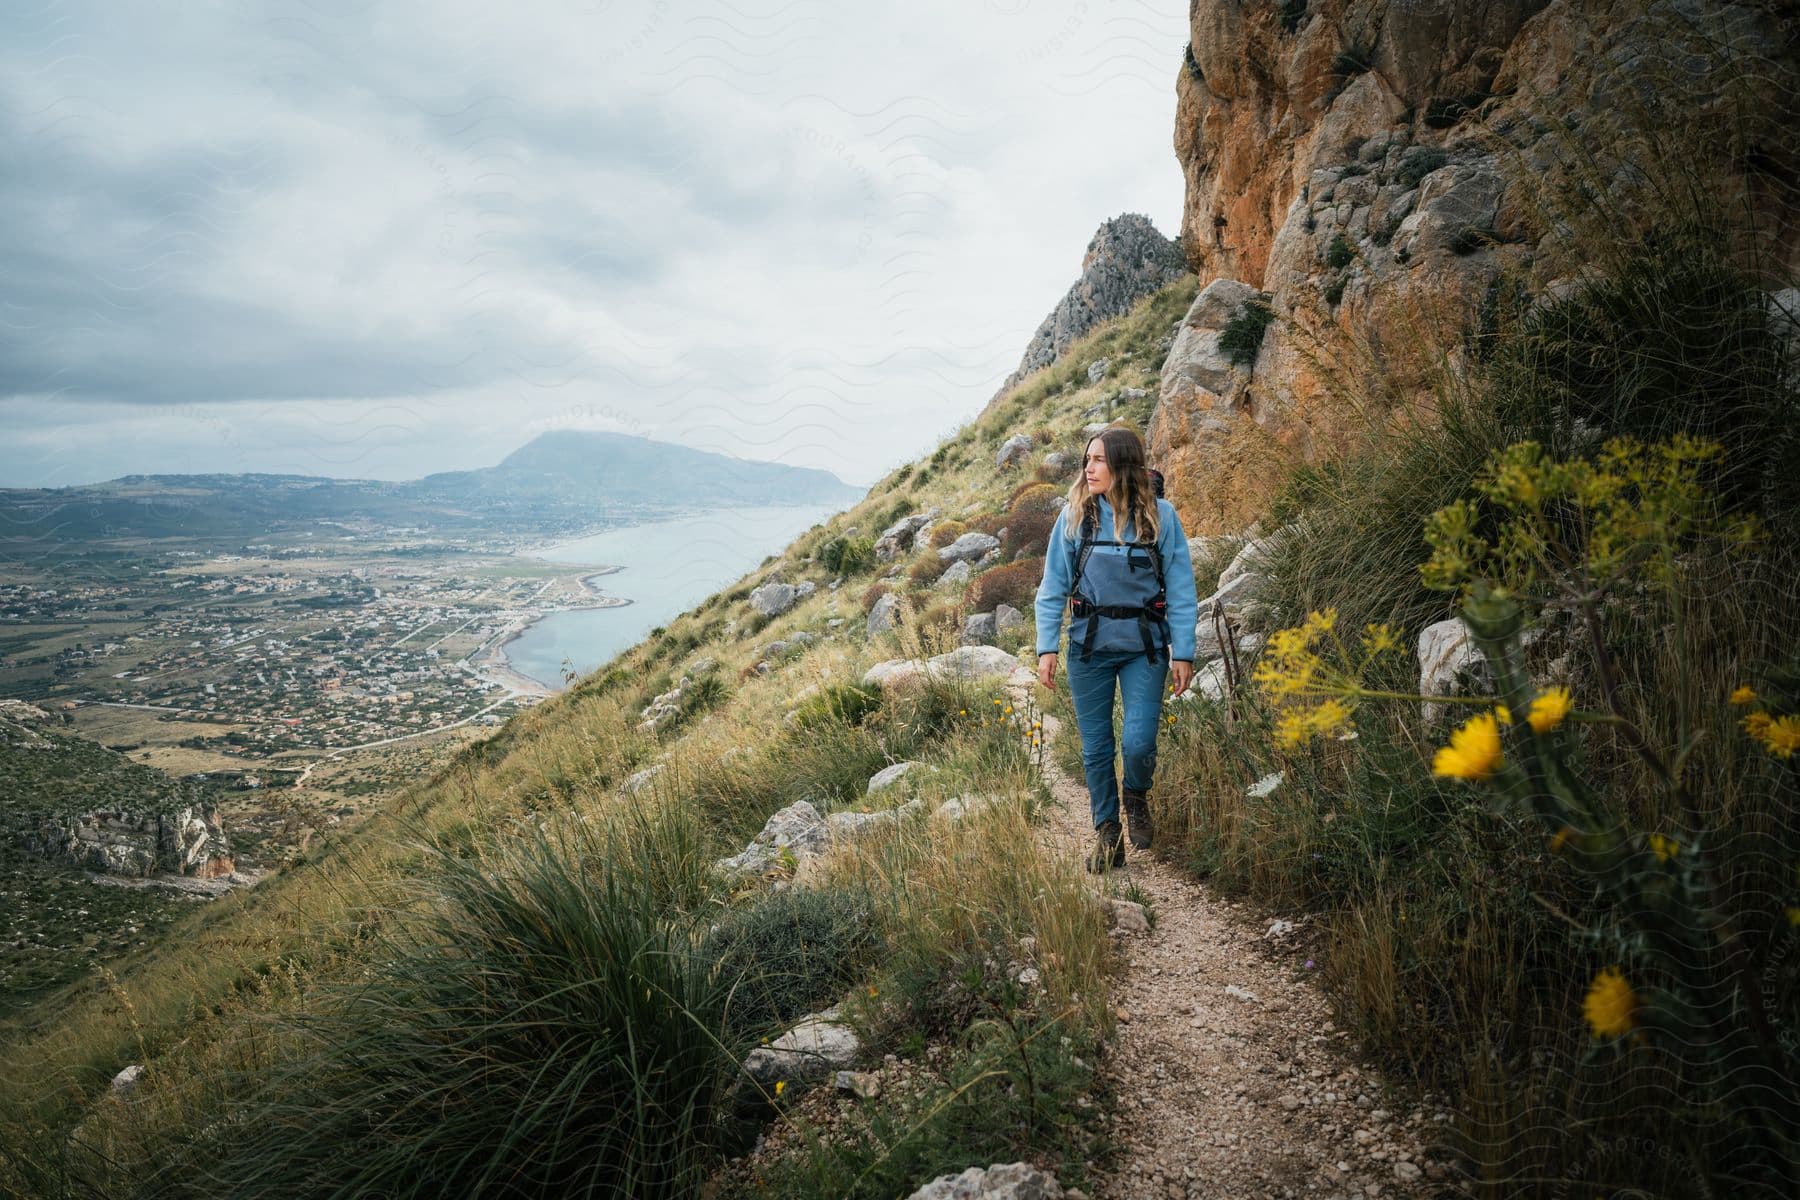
[1137,818]
[1109,848]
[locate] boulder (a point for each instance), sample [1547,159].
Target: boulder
[978,630]
[815,1049]
[894,674]
[1013,450]
[884,615]
[1097,369]
[1007,617]
[974,662]
[959,573]
[773,599]
[898,538]
[958,808]
[1059,462]
[887,777]
[1445,651]
[798,829]
[1003,1181]
[969,546]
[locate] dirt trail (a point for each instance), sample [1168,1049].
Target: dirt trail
[1230,1078]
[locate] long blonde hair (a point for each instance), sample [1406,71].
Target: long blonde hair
[1132,495]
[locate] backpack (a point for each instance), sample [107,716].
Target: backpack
[1110,626]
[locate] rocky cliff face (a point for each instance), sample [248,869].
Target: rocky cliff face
[70,800]
[1362,166]
[1126,260]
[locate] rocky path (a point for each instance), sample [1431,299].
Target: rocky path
[1230,1078]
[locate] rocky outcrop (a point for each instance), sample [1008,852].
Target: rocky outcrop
[187,840]
[1374,167]
[1126,261]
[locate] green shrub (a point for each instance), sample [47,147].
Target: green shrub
[1334,290]
[843,703]
[848,556]
[1243,334]
[1340,253]
[790,953]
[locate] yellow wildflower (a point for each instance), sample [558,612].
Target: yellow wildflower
[1744,695]
[1504,713]
[1663,847]
[780,1086]
[1009,708]
[1379,639]
[1549,709]
[962,712]
[1756,724]
[1782,736]
[1611,1005]
[1473,752]
[1561,837]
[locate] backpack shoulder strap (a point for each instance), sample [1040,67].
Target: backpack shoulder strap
[1090,527]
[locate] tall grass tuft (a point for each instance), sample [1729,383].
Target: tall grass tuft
[543,1028]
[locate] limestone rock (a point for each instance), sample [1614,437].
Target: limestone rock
[814,1049]
[1007,617]
[957,574]
[978,629]
[1013,450]
[773,599]
[898,538]
[1097,369]
[969,546]
[887,777]
[1003,1181]
[1445,651]
[894,674]
[974,662]
[884,615]
[798,829]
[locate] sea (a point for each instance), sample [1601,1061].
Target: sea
[668,568]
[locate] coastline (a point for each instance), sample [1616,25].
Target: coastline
[498,664]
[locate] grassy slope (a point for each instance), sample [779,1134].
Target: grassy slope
[258,952]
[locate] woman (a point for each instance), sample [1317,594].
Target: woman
[1119,558]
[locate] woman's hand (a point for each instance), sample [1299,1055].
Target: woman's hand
[1181,674]
[1047,670]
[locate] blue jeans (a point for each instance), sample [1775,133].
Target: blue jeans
[1091,685]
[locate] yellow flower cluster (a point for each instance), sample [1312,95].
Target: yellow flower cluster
[1780,736]
[1664,848]
[1294,667]
[1636,502]
[1610,1006]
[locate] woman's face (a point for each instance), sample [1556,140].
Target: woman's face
[1099,475]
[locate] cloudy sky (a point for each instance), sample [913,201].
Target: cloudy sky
[374,238]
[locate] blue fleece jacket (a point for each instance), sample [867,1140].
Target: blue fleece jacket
[1178,578]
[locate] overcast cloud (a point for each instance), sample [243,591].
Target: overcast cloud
[380,239]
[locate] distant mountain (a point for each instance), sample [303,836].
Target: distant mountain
[558,483]
[580,467]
